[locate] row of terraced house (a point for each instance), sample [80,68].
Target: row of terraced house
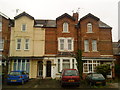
[44,47]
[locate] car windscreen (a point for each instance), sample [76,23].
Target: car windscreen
[98,75]
[71,73]
[15,73]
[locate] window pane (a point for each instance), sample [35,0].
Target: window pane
[86,45]
[66,64]
[73,61]
[26,43]
[15,65]
[69,44]
[27,66]
[19,64]
[58,65]
[23,65]
[1,44]
[65,27]
[0,26]
[18,43]
[61,44]
[89,27]
[94,45]
[90,67]
[23,27]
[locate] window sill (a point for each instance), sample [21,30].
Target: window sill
[26,49]
[94,51]
[65,32]
[86,51]
[66,50]
[89,32]
[18,49]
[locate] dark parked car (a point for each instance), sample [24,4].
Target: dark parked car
[95,78]
[70,77]
[17,77]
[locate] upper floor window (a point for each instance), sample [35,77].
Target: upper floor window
[26,44]
[18,44]
[94,45]
[23,27]
[89,28]
[1,44]
[65,27]
[86,45]
[65,44]
[0,26]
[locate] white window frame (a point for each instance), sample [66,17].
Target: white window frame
[0,26]
[87,63]
[65,44]
[22,27]
[86,45]
[27,43]
[2,43]
[65,27]
[94,45]
[21,61]
[18,43]
[66,63]
[89,28]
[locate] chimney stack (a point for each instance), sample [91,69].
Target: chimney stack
[76,16]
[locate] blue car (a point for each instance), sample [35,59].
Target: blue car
[17,77]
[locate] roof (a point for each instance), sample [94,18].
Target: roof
[45,23]
[2,14]
[104,25]
[23,14]
[65,15]
[91,16]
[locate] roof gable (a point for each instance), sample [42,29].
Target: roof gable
[3,15]
[104,25]
[90,16]
[65,15]
[23,14]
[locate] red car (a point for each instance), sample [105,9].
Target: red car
[70,77]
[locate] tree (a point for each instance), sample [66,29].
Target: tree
[78,57]
[104,69]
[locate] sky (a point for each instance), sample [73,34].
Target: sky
[106,10]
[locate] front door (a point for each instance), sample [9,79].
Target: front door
[48,69]
[40,68]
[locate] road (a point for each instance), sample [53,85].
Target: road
[51,83]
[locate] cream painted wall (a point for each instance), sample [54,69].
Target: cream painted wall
[33,69]
[36,36]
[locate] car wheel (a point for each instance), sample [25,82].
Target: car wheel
[91,84]
[104,83]
[8,83]
[22,82]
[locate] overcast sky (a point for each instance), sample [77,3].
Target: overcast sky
[106,10]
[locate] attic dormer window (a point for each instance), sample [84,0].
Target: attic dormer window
[65,27]
[23,27]
[89,27]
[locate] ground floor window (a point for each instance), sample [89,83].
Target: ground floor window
[66,63]
[89,65]
[21,64]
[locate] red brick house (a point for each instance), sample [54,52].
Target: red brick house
[4,38]
[65,35]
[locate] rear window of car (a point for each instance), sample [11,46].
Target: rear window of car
[15,73]
[71,73]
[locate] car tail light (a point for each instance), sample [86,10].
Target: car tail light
[20,76]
